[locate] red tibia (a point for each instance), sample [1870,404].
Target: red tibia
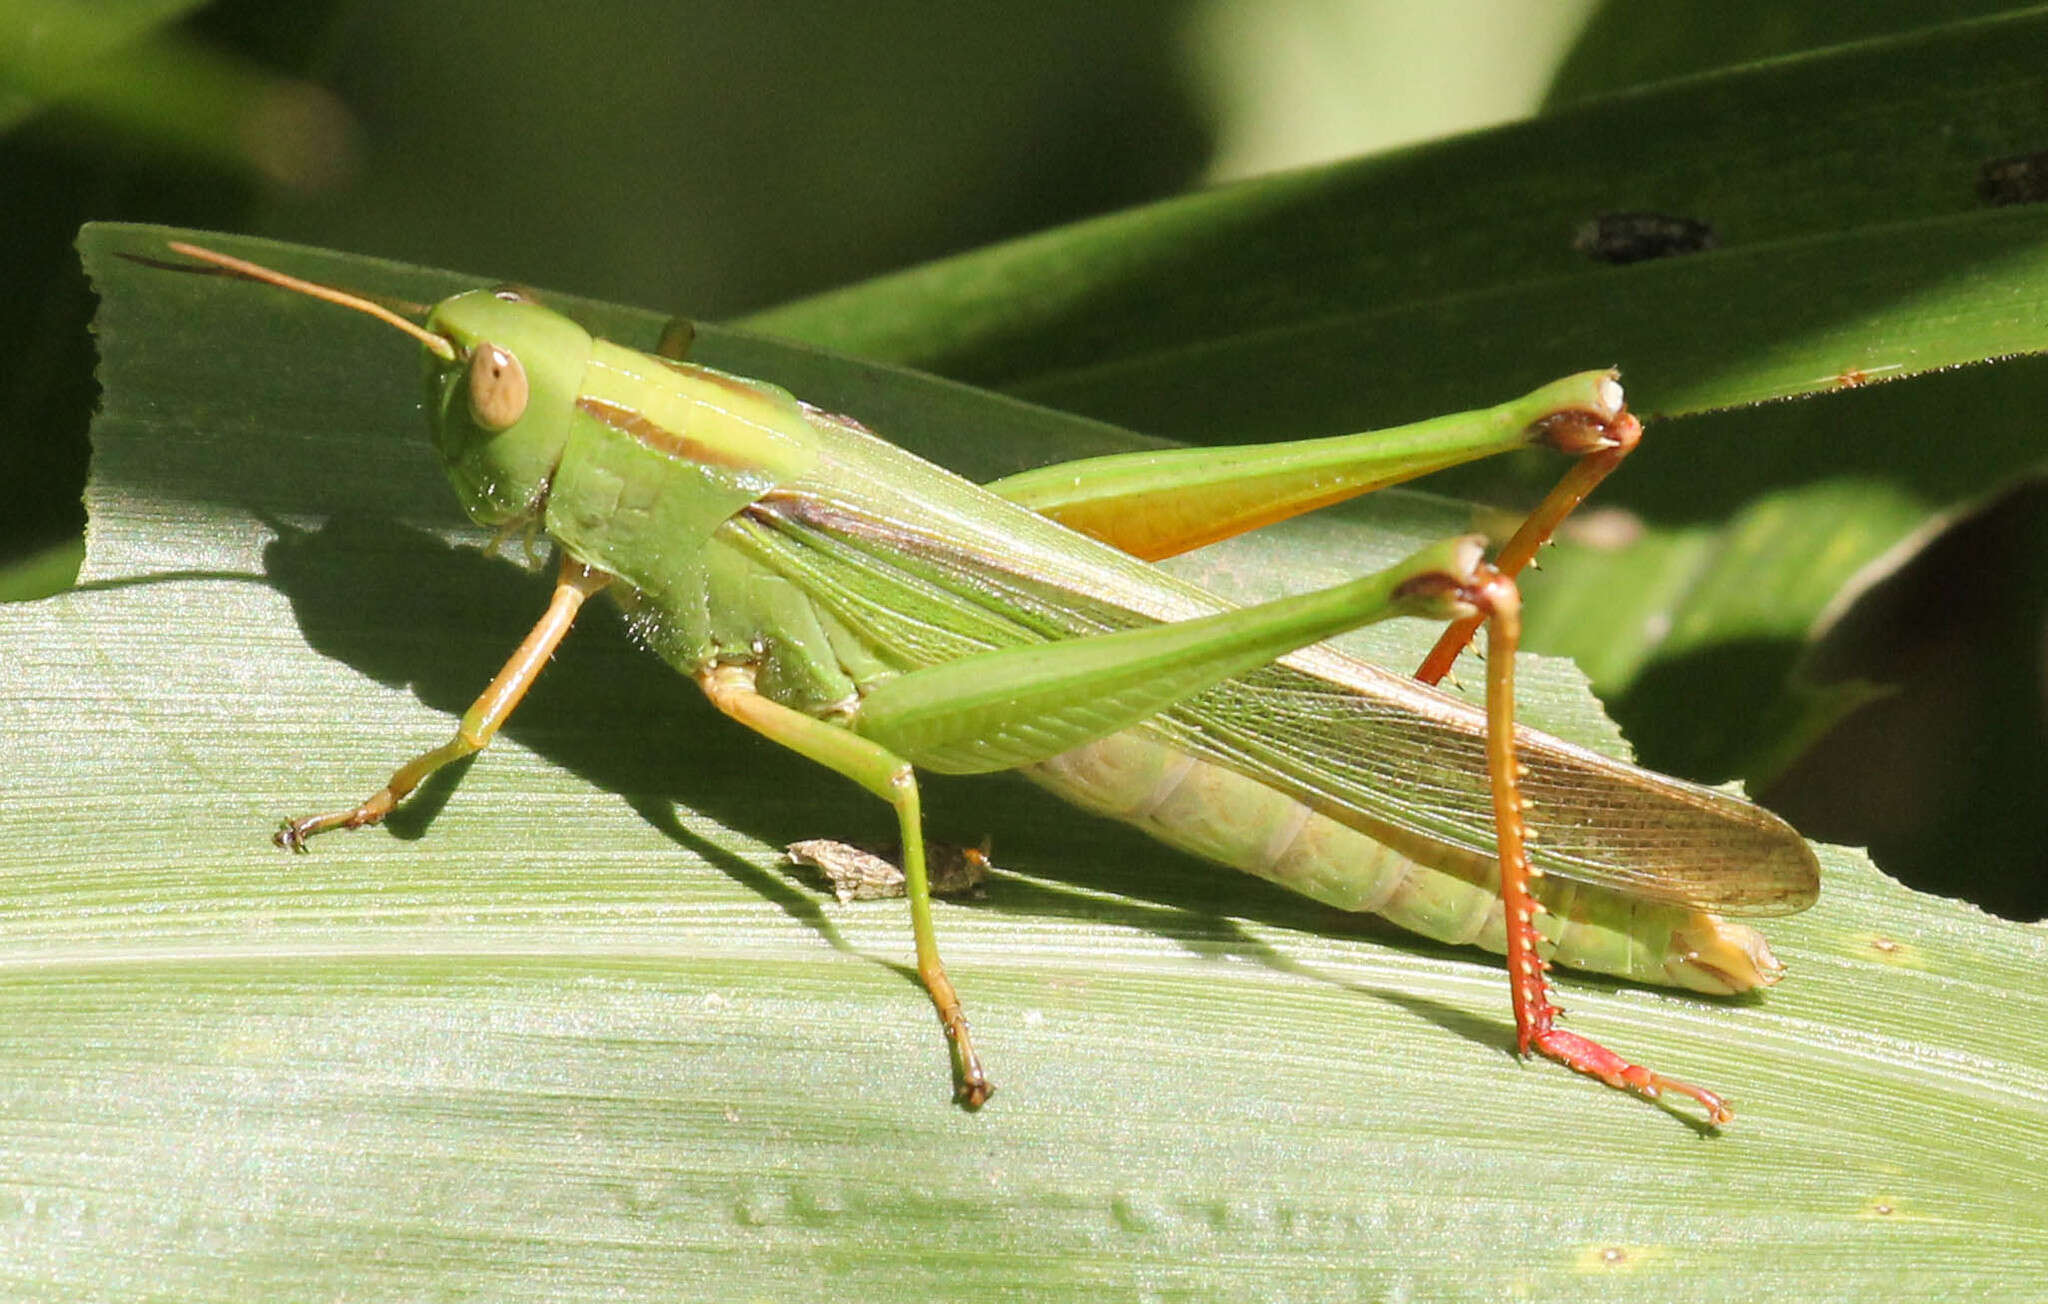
[1500,606]
[1598,453]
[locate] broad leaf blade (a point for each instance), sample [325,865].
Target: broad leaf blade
[569,1032]
[1855,242]
[1840,185]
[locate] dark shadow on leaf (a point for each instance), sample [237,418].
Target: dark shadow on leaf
[409,610]
[415,815]
[1940,772]
[605,710]
[1696,714]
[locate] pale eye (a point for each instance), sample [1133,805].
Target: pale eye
[497,387]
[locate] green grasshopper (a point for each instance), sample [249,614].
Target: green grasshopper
[878,615]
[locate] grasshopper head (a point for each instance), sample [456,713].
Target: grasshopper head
[501,399]
[502,377]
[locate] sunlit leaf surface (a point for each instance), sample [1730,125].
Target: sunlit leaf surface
[568,1030]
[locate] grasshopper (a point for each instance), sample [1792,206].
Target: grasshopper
[878,615]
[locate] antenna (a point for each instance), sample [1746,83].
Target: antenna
[438,345]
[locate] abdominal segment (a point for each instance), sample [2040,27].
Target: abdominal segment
[1440,891]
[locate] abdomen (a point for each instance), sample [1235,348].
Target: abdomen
[1441,892]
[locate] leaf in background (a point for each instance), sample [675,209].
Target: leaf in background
[50,50]
[1852,244]
[1350,280]
[1951,625]
[122,67]
[1627,45]
[147,109]
[568,1032]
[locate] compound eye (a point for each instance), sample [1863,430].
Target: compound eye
[497,387]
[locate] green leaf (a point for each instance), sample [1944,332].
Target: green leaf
[49,51]
[46,571]
[567,1029]
[1832,259]
[122,66]
[1855,241]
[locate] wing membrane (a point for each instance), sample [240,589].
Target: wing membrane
[1363,745]
[936,563]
